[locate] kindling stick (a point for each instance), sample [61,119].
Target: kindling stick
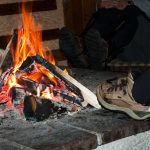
[89,96]
[5,52]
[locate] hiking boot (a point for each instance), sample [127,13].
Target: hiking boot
[116,95]
[70,46]
[96,53]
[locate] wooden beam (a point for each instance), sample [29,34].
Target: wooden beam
[51,34]
[47,35]
[38,5]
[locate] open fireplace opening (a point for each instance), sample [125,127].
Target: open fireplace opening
[33,86]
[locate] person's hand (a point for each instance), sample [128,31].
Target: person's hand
[107,4]
[120,4]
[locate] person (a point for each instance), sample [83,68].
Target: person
[138,50]
[110,29]
[128,94]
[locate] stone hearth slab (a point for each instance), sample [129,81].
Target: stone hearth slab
[9,145]
[91,78]
[108,126]
[44,136]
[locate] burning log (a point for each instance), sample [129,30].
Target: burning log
[37,108]
[41,108]
[50,67]
[28,85]
[31,87]
[72,99]
[71,83]
[17,95]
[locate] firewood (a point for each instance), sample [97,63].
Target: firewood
[1,71]
[73,84]
[17,95]
[31,87]
[88,96]
[44,63]
[40,109]
[4,53]
[28,85]
[71,99]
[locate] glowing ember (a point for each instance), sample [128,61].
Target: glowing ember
[36,82]
[29,44]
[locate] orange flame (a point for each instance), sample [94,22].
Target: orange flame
[29,40]
[29,44]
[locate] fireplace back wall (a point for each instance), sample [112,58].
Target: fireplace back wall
[49,13]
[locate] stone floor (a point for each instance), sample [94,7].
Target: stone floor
[136,142]
[86,130]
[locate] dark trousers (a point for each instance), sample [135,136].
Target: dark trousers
[117,27]
[141,88]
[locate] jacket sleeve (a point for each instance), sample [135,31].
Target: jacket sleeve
[126,31]
[144,5]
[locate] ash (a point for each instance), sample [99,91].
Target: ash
[89,78]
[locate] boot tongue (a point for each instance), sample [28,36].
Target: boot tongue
[130,85]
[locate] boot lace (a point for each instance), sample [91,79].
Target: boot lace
[118,86]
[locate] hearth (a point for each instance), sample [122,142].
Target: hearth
[33,86]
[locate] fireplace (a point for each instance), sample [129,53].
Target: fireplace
[33,86]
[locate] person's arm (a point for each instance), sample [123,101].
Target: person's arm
[125,31]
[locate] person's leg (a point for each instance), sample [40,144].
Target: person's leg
[70,46]
[95,52]
[141,88]
[116,95]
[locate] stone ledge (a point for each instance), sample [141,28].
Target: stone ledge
[6,145]
[85,131]
[47,136]
[110,126]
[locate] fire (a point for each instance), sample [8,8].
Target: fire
[65,71]
[33,79]
[30,44]
[29,41]
[12,81]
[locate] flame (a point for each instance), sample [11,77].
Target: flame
[29,40]
[65,71]
[29,44]
[12,81]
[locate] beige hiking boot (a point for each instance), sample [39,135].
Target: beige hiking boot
[117,95]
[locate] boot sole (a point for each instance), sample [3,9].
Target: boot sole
[137,115]
[70,47]
[97,55]
[67,42]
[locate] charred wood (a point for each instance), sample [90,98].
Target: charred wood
[47,65]
[28,85]
[17,94]
[71,99]
[40,109]
[6,53]
[31,87]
